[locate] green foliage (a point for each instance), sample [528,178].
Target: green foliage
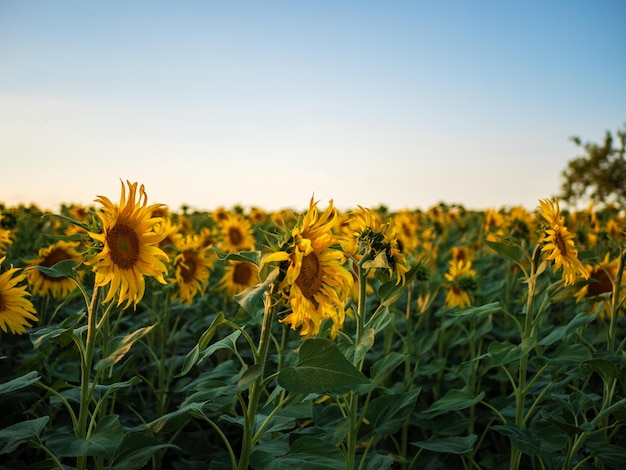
[600,174]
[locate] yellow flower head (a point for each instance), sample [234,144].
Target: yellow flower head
[238,276]
[55,287]
[236,234]
[601,277]
[16,311]
[130,246]
[460,277]
[558,243]
[191,269]
[315,282]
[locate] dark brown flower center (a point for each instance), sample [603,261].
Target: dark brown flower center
[310,279]
[188,266]
[242,274]
[600,283]
[235,236]
[123,243]
[3,304]
[560,243]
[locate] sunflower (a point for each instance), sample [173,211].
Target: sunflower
[130,246]
[315,283]
[5,237]
[170,231]
[45,285]
[406,225]
[558,243]
[462,253]
[16,311]
[191,269]
[238,276]
[601,278]
[236,234]
[461,280]
[377,239]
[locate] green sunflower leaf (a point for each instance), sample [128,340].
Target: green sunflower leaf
[321,368]
[17,434]
[449,445]
[19,382]
[65,268]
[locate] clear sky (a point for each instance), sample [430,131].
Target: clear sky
[265,103]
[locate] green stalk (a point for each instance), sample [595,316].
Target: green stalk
[85,398]
[257,386]
[353,398]
[527,332]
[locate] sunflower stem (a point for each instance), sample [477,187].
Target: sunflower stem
[85,398]
[257,386]
[527,332]
[353,397]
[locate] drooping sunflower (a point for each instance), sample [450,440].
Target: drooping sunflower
[236,234]
[16,310]
[316,284]
[238,276]
[377,239]
[461,281]
[45,285]
[130,246]
[558,243]
[191,269]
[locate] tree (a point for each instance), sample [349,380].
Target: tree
[599,175]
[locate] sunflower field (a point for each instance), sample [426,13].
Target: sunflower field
[135,337]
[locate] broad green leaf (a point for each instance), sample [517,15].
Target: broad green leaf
[104,441]
[376,461]
[65,268]
[249,376]
[471,312]
[192,356]
[605,369]
[136,450]
[610,454]
[229,342]
[449,445]
[252,257]
[507,251]
[20,382]
[103,389]
[251,298]
[380,320]
[385,366]
[119,346]
[570,354]
[17,434]
[389,292]
[563,331]
[306,453]
[364,345]
[505,353]
[455,399]
[526,441]
[388,413]
[158,424]
[321,368]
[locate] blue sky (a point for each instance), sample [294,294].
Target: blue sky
[267,103]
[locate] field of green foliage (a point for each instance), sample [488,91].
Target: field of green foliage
[137,337]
